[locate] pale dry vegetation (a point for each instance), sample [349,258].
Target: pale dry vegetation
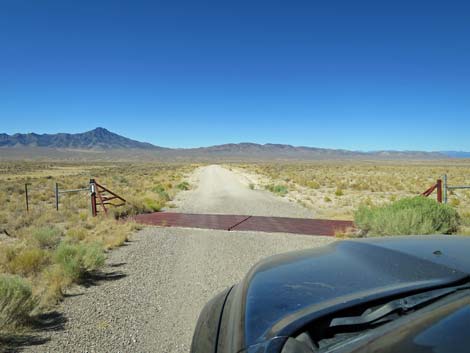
[336,189]
[44,251]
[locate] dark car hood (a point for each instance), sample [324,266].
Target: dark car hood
[284,292]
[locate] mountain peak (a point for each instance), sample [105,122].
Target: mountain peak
[100,130]
[98,138]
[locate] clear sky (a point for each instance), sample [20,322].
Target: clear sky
[362,75]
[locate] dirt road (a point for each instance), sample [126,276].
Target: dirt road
[221,191]
[156,285]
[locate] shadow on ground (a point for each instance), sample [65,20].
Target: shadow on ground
[15,342]
[40,325]
[97,277]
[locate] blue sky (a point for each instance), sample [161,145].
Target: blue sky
[362,75]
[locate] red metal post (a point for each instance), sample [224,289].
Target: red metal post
[98,191]
[439,190]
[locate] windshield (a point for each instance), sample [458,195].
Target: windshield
[429,316]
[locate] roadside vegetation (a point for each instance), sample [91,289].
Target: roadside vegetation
[356,190]
[43,252]
[413,215]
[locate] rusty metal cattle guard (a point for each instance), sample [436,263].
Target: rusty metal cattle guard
[245,223]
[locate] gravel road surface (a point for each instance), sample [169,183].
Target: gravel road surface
[221,191]
[152,289]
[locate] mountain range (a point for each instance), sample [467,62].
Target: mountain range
[101,143]
[99,138]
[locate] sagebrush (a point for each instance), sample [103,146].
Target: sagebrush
[417,215]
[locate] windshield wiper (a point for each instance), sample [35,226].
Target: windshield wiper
[398,306]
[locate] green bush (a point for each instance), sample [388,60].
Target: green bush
[160,190]
[183,186]
[277,189]
[415,215]
[16,300]
[77,259]
[151,205]
[47,237]
[93,256]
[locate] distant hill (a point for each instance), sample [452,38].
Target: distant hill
[98,138]
[456,154]
[101,144]
[281,151]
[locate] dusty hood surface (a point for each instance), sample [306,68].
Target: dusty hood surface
[282,293]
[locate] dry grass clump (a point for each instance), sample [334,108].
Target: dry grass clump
[46,237]
[46,251]
[16,300]
[24,260]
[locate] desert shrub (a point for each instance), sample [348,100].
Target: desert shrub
[77,259]
[183,186]
[135,206]
[7,254]
[129,209]
[93,256]
[313,184]
[160,190]
[112,238]
[415,215]
[76,235]
[16,300]
[277,189]
[151,205]
[465,218]
[28,261]
[326,199]
[47,237]
[111,234]
[251,186]
[339,192]
[54,281]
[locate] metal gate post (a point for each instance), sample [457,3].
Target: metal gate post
[93,197]
[26,195]
[445,188]
[57,196]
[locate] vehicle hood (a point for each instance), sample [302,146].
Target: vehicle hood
[284,292]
